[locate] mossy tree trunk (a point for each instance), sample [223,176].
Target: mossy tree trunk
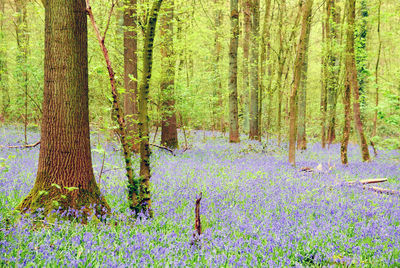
[246,7]
[361,54]
[254,132]
[300,53]
[169,134]
[131,74]
[233,48]
[144,194]
[65,176]
[351,73]
[323,103]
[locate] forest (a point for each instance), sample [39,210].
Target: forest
[200,133]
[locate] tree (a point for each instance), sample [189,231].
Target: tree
[65,175]
[299,62]
[246,47]
[233,47]
[351,85]
[130,73]
[3,66]
[254,89]
[144,190]
[169,133]
[302,108]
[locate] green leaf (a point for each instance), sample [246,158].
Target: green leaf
[56,185]
[71,188]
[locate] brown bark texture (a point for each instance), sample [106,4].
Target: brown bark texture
[144,193]
[169,133]
[65,175]
[246,48]
[233,95]
[131,74]
[351,73]
[301,49]
[254,61]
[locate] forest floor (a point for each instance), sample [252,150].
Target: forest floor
[256,209]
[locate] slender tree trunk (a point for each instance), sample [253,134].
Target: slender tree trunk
[21,27]
[144,195]
[323,104]
[265,54]
[375,120]
[233,48]
[65,175]
[301,49]
[301,131]
[3,66]
[332,23]
[361,54]
[218,59]
[246,60]
[254,89]
[131,74]
[169,133]
[352,77]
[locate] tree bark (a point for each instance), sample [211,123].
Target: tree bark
[131,74]
[254,61]
[361,54]
[323,103]
[301,131]
[144,194]
[233,48]
[351,73]
[3,67]
[169,133]
[246,60]
[301,48]
[65,175]
[219,107]
[375,120]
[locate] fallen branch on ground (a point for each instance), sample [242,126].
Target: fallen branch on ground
[378,190]
[163,147]
[369,181]
[22,146]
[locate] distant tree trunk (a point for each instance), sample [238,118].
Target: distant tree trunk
[246,59]
[65,175]
[361,54]
[233,47]
[323,104]
[377,71]
[332,61]
[144,195]
[3,66]
[265,55]
[21,28]
[352,77]
[254,89]
[301,131]
[218,59]
[169,134]
[301,49]
[130,74]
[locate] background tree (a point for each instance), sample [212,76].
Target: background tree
[233,47]
[169,134]
[130,72]
[65,175]
[3,65]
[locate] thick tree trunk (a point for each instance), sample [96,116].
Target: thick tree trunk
[352,77]
[254,89]
[65,175]
[3,67]
[301,131]
[169,133]
[144,194]
[301,49]
[130,74]
[233,47]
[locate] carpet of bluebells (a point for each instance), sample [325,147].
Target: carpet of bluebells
[256,210]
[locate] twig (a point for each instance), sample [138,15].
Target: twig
[164,148]
[102,166]
[22,146]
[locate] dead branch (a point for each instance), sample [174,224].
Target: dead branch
[369,181]
[380,190]
[163,147]
[22,146]
[197,225]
